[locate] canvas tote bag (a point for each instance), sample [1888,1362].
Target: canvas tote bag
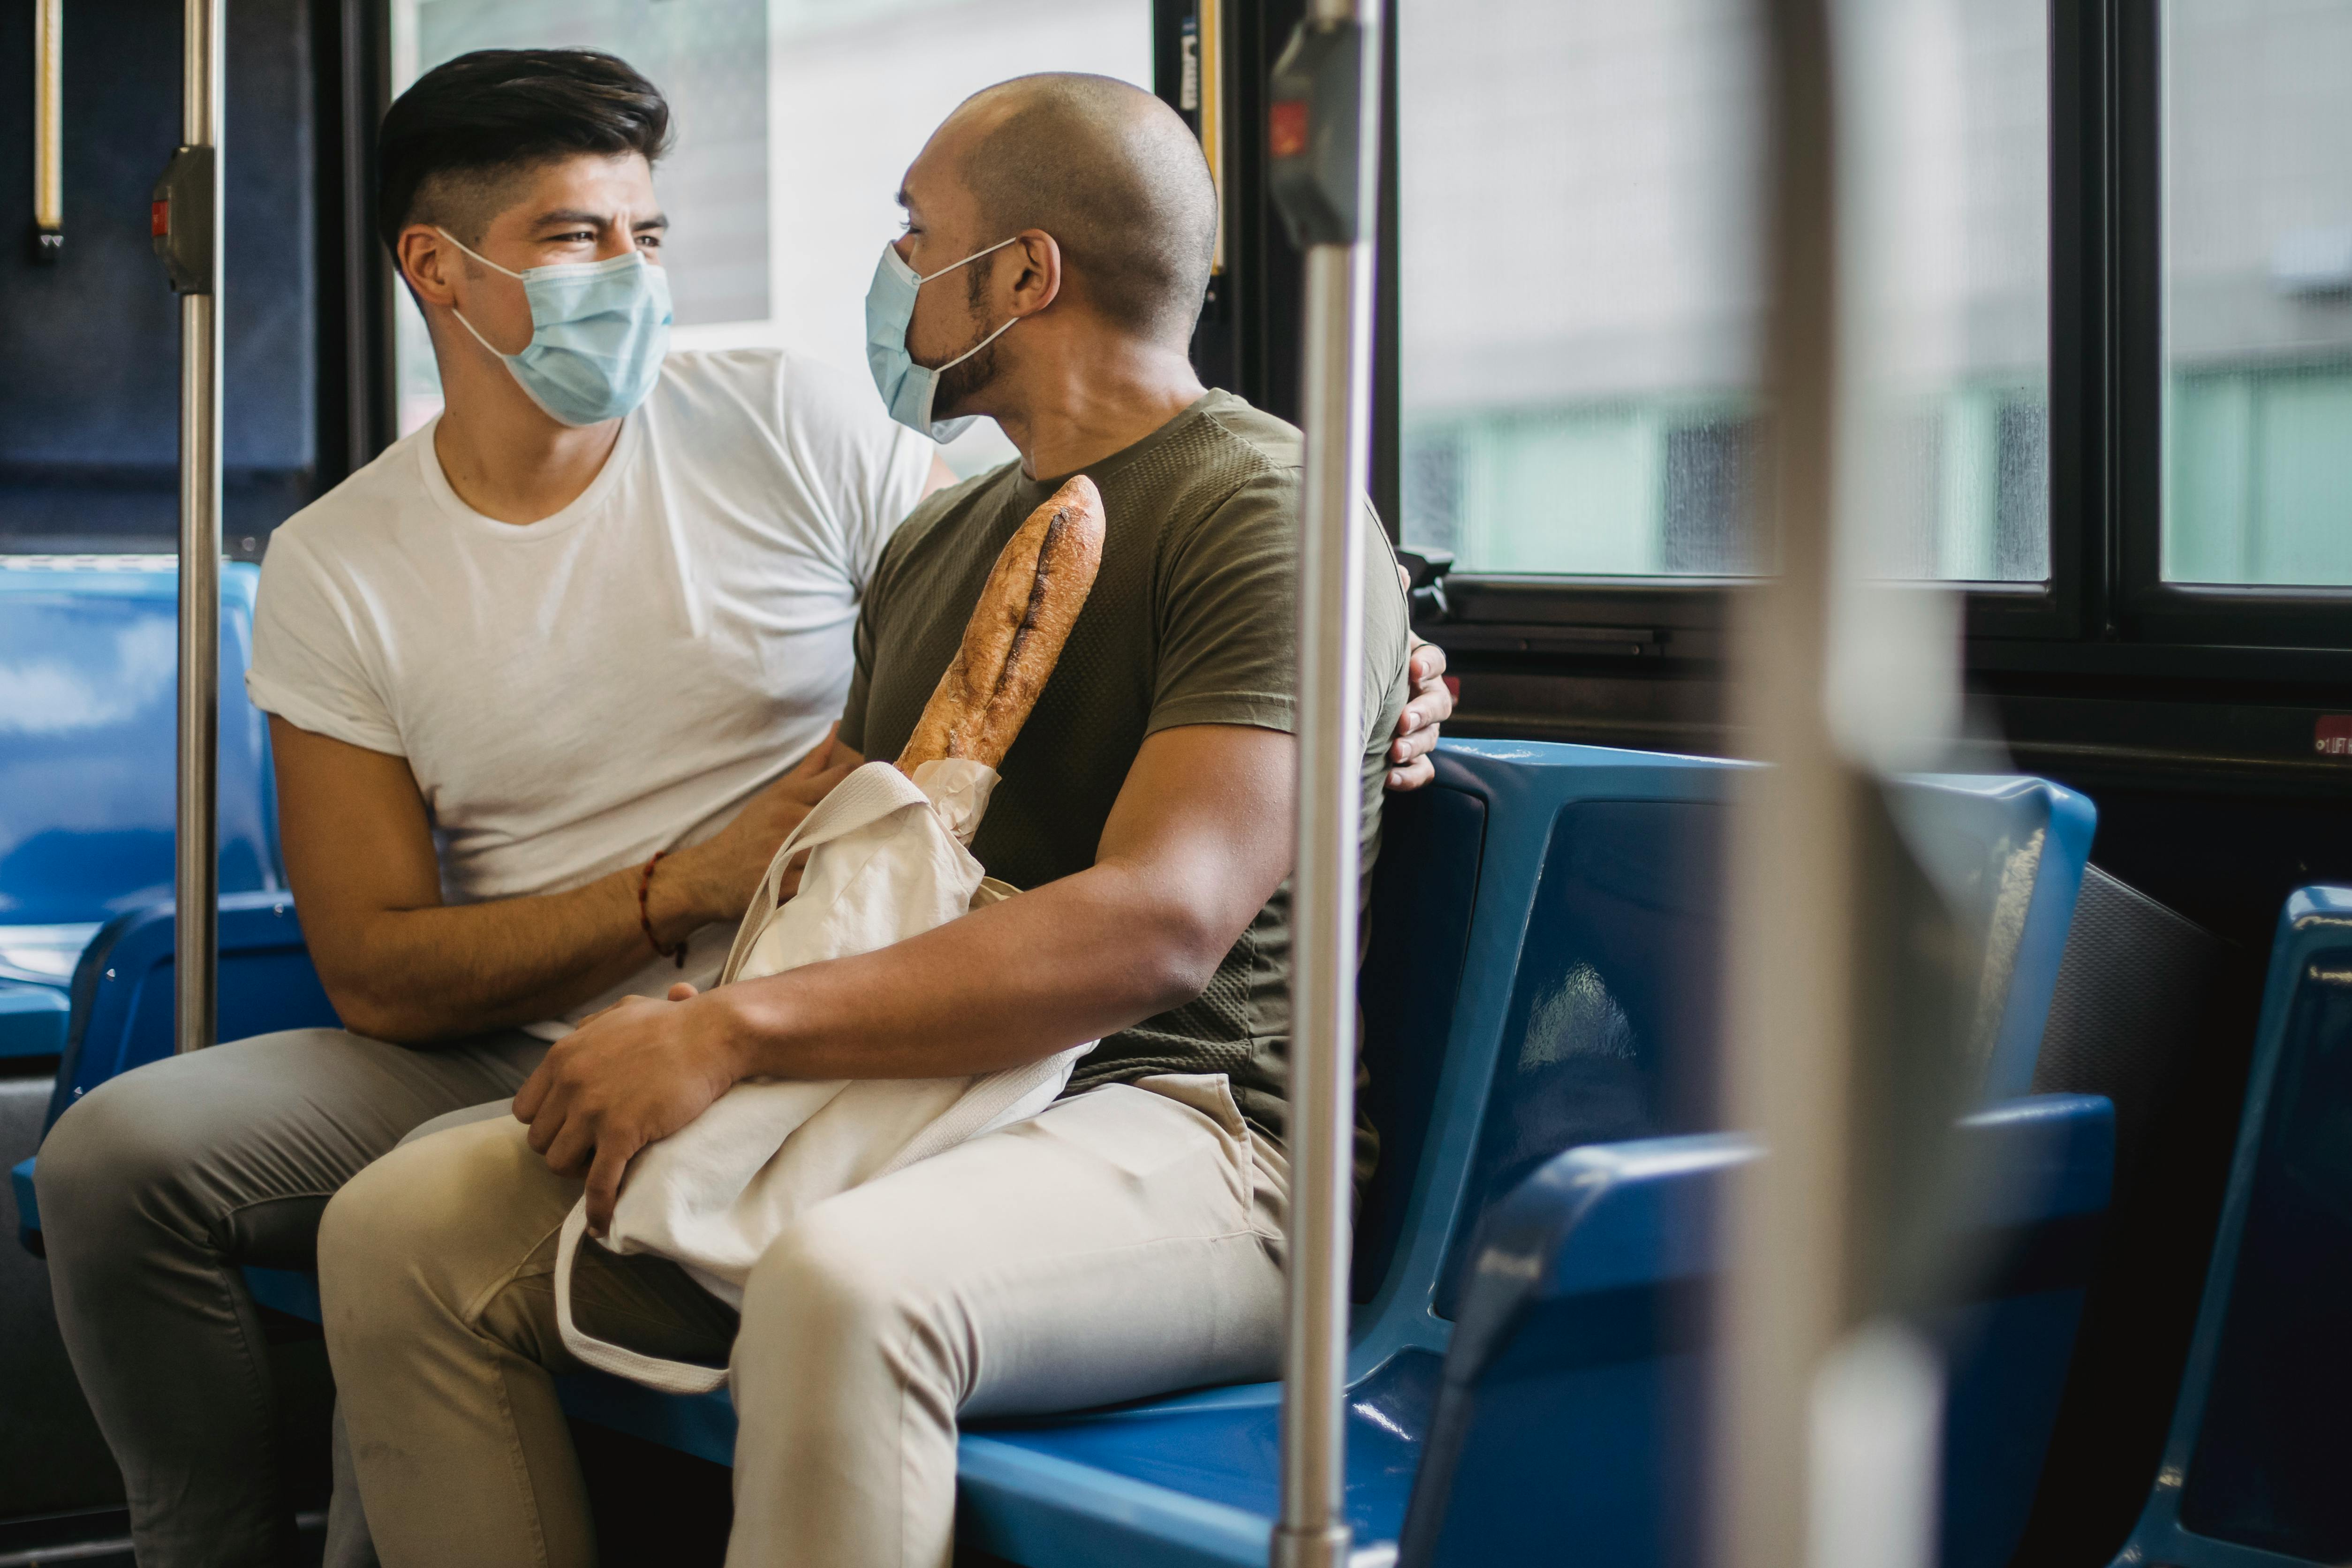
[887,860]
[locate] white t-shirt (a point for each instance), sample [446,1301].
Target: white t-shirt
[576,693]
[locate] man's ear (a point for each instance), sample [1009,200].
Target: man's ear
[1038,282]
[430,263]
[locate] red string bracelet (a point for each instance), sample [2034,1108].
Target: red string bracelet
[644,915]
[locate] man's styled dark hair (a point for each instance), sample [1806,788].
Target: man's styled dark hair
[463,127]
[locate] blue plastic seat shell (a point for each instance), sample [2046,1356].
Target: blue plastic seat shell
[1575,1383]
[2311,950]
[87,776]
[32,1020]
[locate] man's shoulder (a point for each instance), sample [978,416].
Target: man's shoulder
[361,504]
[1234,422]
[1237,459]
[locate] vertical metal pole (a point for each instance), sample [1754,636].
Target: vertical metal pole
[197,863]
[1824,1439]
[1211,38]
[48,126]
[1314,1532]
[1793,865]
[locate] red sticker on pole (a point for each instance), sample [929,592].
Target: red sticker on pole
[2331,735]
[1285,127]
[158,218]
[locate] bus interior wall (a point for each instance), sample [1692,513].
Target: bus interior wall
[88,365]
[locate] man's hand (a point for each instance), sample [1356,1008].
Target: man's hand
[630,1076]
[1429,705]
[714,880]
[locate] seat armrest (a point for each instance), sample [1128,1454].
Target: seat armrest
[1590,1303]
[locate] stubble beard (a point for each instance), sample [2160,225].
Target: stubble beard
[961,381]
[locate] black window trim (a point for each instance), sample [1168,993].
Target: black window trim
[2152,610]
[2105,389]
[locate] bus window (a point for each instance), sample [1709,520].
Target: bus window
[794,121]
[1580,282]
[2258,292]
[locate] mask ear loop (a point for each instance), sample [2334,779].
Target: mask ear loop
[924,277]
[494,267]
[501,355]
[975,348]
[935,370]
[476,254]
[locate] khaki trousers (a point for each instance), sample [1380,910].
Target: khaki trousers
[1126,1242]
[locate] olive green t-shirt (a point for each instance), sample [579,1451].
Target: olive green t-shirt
[1192,620]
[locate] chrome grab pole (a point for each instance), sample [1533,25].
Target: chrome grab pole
[190,221]
[49,128]
[1323,137]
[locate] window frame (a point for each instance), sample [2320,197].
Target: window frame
[2154,610]
[2105,396]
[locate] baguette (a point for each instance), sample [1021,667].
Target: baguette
[1015,635]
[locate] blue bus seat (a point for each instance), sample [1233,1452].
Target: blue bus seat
[2253,1471]
[123,1000]
[266,983]
[1585,1014]
[89,668]
[32,1020]
[1572,1405]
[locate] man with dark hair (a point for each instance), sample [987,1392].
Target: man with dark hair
[1128,1240]
[575,628]
[535,676]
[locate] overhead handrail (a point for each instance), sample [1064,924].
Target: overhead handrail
[186,225]
[49,128]
[1322,133]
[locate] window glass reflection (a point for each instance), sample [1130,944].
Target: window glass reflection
[1581,197]
[2258,291]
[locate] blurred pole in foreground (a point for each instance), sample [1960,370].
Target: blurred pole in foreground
[1827,1404]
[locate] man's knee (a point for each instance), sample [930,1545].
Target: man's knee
[121,1151]
[140,1145]
[391,1217]
[430,1219]
[830,1280]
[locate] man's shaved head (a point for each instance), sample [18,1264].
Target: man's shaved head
[1115,176]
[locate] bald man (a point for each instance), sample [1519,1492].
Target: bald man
[1129,1240]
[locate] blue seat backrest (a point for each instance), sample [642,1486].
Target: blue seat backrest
[1612,1030]
[1424,890]
[89,668]
[122,993]
[2256,1456]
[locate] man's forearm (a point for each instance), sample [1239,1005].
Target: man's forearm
[1073,961]
[447,971]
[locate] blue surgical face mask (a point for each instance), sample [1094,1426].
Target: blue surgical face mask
[906,387]
[598,332]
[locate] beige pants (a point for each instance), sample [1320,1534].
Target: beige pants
[1126,1242]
